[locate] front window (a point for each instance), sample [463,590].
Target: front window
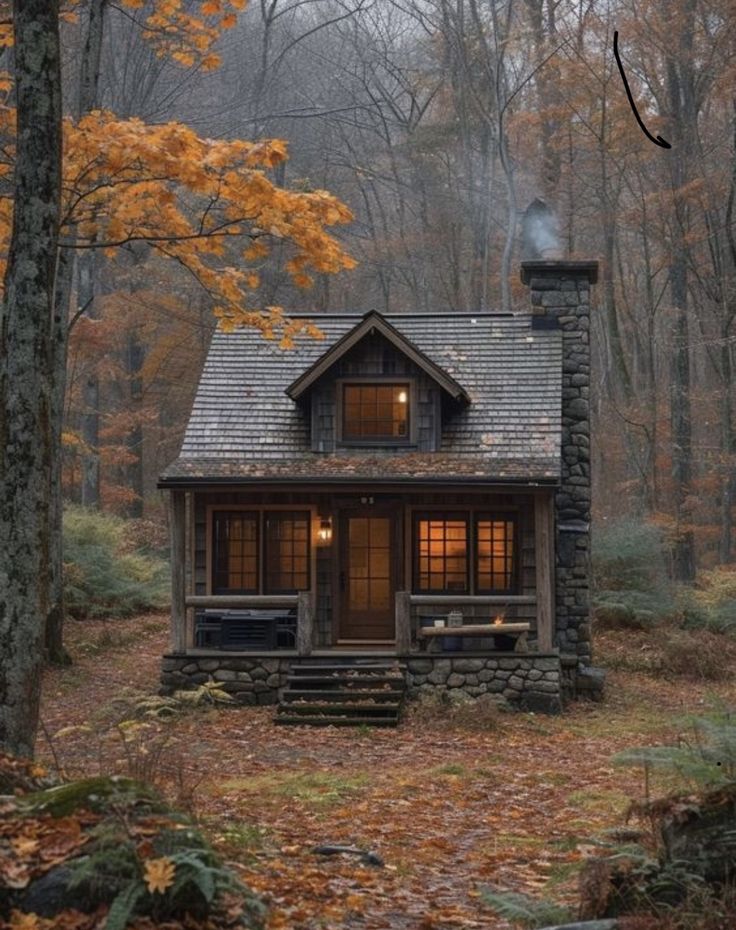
[235,555]
[286,557]
[260,552]
[375,412]
[495,566]
[445,549]
[442,553]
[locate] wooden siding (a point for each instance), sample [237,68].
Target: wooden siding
[376,357]
[324,567]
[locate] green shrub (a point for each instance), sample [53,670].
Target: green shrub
[103,577]
[629,555]
[632,589]
[711,604]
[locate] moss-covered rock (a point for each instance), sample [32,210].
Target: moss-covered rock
[127,854]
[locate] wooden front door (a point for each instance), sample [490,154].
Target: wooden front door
[367,575]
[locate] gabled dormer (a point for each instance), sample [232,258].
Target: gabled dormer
[374,388]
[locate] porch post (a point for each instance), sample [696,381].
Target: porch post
[544,553]
[403,622]
[177,529]
[304,623]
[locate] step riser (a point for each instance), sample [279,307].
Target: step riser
[379,697]
[336,722]
[339,710]
[343,693]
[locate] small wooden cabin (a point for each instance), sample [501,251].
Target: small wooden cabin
[413,485]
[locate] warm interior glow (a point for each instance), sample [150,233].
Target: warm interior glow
[498,620]
[402,397]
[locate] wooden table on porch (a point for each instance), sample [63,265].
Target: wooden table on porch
[518,630]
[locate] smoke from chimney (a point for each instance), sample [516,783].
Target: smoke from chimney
[539,233]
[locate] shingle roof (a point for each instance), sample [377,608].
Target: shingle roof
[243,425]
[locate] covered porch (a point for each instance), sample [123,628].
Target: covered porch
[368,563]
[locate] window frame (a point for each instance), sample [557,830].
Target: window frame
[260,509]
[497,516]
[471,515]
[445,515]
[282,514]
[378,381]
[241,514]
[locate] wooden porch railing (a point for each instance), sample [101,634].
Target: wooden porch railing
[303,601]
[405,600]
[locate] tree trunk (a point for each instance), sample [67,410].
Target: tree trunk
[56,654]
[89,81]
[26,373]
[683,126]
[135,356]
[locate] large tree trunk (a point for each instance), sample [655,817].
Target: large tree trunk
[26,373]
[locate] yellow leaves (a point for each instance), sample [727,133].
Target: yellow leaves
[211,7]
[256,250]
[210,62]
[19,921]
[183,58]
[228,21]
[190,198]
[159,874]
[302,280]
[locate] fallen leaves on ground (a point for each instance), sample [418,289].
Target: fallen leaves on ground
[449,811]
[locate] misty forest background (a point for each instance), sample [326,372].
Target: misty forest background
[438,122]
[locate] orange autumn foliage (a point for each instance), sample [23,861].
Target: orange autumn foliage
[190,198]
[184,32]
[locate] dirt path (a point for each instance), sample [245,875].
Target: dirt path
[449,811]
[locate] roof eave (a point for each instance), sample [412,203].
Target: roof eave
[187,481]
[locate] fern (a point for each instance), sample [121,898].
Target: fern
[524,910]
[124,905]
[705,756]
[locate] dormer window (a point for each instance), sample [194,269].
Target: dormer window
[376,412]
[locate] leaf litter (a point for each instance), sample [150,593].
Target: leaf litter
[449,811]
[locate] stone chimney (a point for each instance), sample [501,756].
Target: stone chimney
[560,298]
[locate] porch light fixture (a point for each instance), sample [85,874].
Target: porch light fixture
[403,397]
[325,530]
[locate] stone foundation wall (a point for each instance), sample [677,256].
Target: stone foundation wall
[528,682]
[249,681]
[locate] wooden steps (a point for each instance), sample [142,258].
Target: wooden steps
[345,692]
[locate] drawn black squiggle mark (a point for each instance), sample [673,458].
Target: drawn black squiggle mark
[659,140]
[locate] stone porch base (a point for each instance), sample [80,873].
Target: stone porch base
[529,681]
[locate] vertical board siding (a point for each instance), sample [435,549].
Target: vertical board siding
[375,356]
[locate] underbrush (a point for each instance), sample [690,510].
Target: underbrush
[630,575]
[105,575]
[672,867]
[670,652]
[457,709]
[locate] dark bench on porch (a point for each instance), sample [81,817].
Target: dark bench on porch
[246,629]
[260,622]
[517,631]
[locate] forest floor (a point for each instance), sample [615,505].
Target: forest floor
[450,810]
